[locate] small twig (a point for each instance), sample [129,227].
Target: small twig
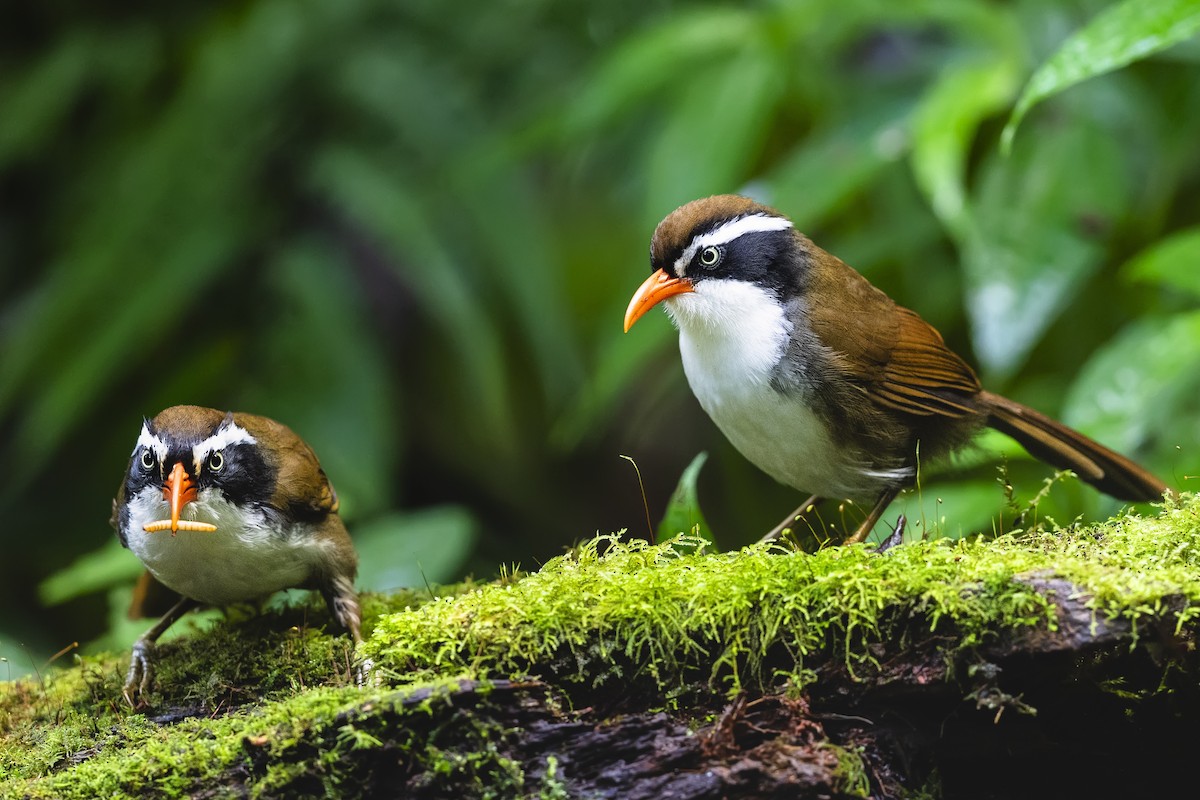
[642,488]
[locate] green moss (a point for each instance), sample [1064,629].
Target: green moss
[269,704]
[614,610]
[59,733]
[851,772]
[305,745]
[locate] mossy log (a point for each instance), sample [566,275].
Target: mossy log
[1034,664]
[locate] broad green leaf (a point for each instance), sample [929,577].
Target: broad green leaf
[1173,262]
[1036,234]
[413,549]
[683,513]
[945,126]
[1119,35]
[103,568]
[1142,390]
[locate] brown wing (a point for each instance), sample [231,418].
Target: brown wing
[923,376]
[898,359]
[301,486]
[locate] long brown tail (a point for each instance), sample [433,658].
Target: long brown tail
[1062,447]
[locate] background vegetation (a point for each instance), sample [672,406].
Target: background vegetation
[409,230]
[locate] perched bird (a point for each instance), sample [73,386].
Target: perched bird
[819,378]
[223,508]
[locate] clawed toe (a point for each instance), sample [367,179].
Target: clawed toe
[896,537]
[141,673]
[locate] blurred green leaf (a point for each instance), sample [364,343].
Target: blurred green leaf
[511,228]
[103,568]
[36,100]
[652,58]
[945,127]
[18,659]
[824,171]
[714,131]
[683,513]
[948,510]
[1037,235]
[622,359]
[398,551]
[1141,391]
[393,212]
[167,211]
[1120,34]
[1173,261]
[322,372]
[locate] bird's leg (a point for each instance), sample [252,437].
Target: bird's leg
[790,519]
[141,659]
[343,604]
[863,530]
[896,538]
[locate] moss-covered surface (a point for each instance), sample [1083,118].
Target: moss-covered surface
[614,612]
[708,664]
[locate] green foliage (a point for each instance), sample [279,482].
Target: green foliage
[683,509]
[409,232]
[1119,35]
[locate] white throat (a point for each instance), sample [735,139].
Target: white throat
[732,334]
[248,556]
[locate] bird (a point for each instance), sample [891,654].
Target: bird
[819,378]
[223,507]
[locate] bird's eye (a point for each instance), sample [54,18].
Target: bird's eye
[711,256]
[147,460]
[216,460]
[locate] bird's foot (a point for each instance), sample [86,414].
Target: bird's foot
[896,537]
[141,673]
[365,674]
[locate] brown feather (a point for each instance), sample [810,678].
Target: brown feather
[902,364]
[880,378]
[302,491]
[1065,448]
[301,487]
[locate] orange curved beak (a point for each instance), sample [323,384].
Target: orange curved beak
[178,490]
[658,287]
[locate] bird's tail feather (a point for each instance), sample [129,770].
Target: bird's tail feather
[1065,448]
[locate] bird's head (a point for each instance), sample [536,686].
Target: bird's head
[716,259]
[188,455]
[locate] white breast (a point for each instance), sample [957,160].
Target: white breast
[732,335]
[244,559]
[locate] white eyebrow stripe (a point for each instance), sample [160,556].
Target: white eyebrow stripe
[726,233]
[226,436]
[151,442]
